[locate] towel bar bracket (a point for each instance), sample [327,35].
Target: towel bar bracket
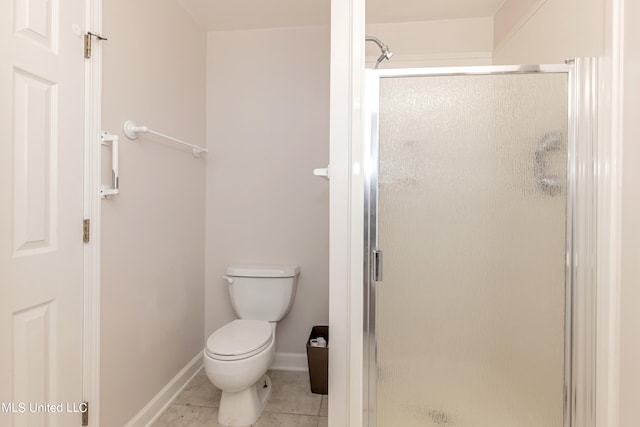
[112,140]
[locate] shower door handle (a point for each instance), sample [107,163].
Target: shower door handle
[376,265]
[548,183]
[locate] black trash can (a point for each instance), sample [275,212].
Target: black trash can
[318,360]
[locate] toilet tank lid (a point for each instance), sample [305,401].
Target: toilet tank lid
[263,270]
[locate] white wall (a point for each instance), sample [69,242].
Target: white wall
[557,30]
[511,15]
[630,230]
[153,232]
[268,128]
[433,43]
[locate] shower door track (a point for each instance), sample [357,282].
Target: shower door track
[580,268]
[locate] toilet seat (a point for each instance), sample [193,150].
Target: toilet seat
[239,339]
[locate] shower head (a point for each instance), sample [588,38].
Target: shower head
[386,53]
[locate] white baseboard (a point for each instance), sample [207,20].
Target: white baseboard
[161,401]
[155,407]
[290,362]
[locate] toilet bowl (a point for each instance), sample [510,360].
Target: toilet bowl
[238,355]
[236,360]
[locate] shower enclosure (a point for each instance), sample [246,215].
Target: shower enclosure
[479,298]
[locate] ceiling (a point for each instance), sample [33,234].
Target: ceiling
[217,15]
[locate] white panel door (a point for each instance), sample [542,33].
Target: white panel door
[41,190]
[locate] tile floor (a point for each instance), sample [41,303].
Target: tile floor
[291,405]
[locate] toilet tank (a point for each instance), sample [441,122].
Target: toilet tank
[261,292]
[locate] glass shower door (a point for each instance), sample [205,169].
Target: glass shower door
[470,213]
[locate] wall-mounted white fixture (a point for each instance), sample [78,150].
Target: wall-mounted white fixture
[107,138]
[323,172]
[131,130]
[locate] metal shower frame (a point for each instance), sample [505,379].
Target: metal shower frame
[580,267]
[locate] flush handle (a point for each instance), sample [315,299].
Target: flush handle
[323,172]
[229,279]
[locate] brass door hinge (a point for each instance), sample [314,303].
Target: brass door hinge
[85,413]
[86,230]
[87,43]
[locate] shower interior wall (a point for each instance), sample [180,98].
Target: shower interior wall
[550,32]
[446,42]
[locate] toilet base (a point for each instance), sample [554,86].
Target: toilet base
[243,408]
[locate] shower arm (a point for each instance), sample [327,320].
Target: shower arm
[375,40]
[386,53]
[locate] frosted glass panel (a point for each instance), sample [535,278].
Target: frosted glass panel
[472,199]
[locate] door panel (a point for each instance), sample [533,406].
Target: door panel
[41,187]
[472,221]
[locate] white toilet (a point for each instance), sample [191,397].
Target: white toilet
[238,354]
